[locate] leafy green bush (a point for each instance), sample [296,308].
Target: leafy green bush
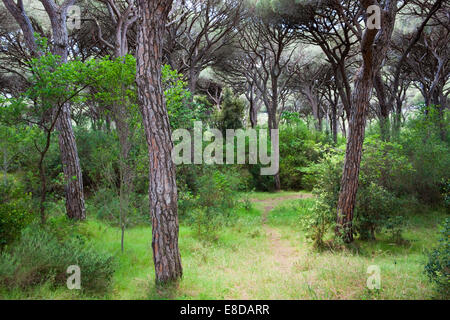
[394,228]
[374,205]
[15,211]
[182,109]
[40,257]
[231,113]
[214,202]
[384,170]
[298,150]
[428,154]
[438,266]
[322,216]
[105,204]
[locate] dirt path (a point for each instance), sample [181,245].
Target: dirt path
[284,254]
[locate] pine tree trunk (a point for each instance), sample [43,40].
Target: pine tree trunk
[374,45]
[162,188]
[71,166]
[349,184]
[334,122]
[75,204]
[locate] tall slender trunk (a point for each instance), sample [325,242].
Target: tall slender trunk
[374,44]
[193,79]
[71,166]
[273,123]
[253,115]
[75,204]
[349,184]
[398,116]
[162,186]
[384,107]
[334,122]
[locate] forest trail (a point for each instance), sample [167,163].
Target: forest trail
[284,254]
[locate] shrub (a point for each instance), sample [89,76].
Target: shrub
[428,154]
[298,150]
[383,171]
[374,205]
[385,164]
[15,211]
[213,204]
[322,216]
[105,204]
[438,266]
[231,113]
[394,228]
[40,257]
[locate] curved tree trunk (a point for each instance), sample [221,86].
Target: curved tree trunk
[71,166]
[374,44]
[162,188]
[75,205]
[349,184]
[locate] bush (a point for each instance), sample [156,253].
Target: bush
[438,266]
[374,206]
[384,170]
[394,228]
[105,204]
[231,113]
[428,154]
[298,150]
[446,192]
[15,211]
[322,217]
[40,257]
[213,204]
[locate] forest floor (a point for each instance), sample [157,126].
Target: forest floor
[264,255]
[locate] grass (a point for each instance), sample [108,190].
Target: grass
[243,262]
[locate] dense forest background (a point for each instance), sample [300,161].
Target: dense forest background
[90,92]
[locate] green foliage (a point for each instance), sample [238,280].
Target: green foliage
[99,157]
[114,81]
[298,150]
[386,164]
[105,205]
[428,155]
[374,205]
[15,211]
[183,110]
[213,203]
[321,218]
[39,257]
[438,266]
[394,227]
[231,113]
[384,176]
[446,192]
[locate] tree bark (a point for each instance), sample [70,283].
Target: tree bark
[349,184]
[374,46]
[273,122]
[75,205]
[334,121]
[384,107]
[162,186]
